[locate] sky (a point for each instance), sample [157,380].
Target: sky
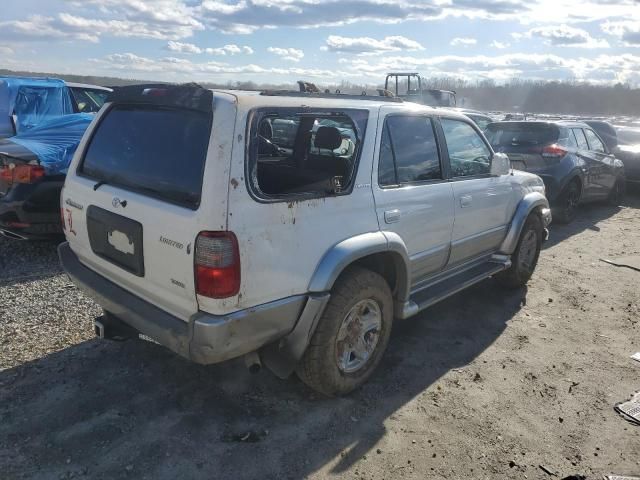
[325,41]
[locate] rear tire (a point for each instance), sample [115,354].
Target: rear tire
[351,336]
[525,257]
[565,209]
[616,196]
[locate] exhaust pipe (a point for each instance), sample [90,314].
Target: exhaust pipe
[252,361]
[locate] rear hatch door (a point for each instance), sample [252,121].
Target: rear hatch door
[522,142]
[132,206]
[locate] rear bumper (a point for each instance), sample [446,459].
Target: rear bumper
[204,338]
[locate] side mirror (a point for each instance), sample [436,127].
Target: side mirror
[500,164]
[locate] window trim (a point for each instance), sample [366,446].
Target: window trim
[250,150]
[452,178]
[443,171]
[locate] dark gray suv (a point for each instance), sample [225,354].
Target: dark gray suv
[574,162]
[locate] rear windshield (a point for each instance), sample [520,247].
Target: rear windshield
[525,134]
[153,150]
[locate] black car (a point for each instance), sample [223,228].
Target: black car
[572,160]
[29,199]
[626,147]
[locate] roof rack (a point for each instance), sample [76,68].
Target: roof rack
[309,90]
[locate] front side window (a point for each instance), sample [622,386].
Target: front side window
[300,153]
[595,143]
[409,151]
[580,139]
[468,154]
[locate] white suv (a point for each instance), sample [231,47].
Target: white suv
[291,228]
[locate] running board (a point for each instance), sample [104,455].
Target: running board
[436,292]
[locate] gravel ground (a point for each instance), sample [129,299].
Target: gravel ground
[488,384]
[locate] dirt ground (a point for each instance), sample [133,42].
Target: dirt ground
[486,385]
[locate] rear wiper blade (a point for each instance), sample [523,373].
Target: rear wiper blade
[99,184]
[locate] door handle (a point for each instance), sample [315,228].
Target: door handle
[392,216]
[466,200]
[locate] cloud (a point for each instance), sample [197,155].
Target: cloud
[564,36]
[65,26]
[4,50]
[627,31]
[370,46]
[183,47]
[499,45]
[290,54]
[243,16]
[230,50]
[603,68]
[464,42]
[190,48]
[187,69]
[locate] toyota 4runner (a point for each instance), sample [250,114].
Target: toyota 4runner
[289,228]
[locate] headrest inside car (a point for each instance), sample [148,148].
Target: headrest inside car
[328,137]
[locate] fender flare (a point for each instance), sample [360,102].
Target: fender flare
[282,357]
[530,202]
[347,251]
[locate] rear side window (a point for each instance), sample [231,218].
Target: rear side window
[580,139]
[152,150]
[595,143]
[295,152]
[502,136]
[409,151]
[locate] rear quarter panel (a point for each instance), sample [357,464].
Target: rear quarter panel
[282,243]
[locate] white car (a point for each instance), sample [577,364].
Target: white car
[191,225]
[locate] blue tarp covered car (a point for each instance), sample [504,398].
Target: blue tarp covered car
[27,102]
[55,141]
[33,166]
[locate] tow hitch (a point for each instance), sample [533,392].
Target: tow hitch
[111,328]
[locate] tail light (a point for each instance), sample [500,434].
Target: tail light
[217,264]
[554,151]
[21,173]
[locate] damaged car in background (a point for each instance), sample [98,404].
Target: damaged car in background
[572,160]
[39,133]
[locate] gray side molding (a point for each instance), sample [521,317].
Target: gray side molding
[344,253]
[528,204]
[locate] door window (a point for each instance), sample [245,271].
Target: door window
[594,142]
[580,138]
[468,154]
[408,152]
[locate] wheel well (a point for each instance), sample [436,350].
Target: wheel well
[389,266]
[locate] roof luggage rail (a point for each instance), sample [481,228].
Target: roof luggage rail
[310,90]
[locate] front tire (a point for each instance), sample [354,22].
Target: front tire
[525,257]
[351,336]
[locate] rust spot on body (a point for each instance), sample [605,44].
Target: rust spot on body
[234,183]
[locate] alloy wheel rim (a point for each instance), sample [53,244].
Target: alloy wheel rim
[528,250]
[358,336]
